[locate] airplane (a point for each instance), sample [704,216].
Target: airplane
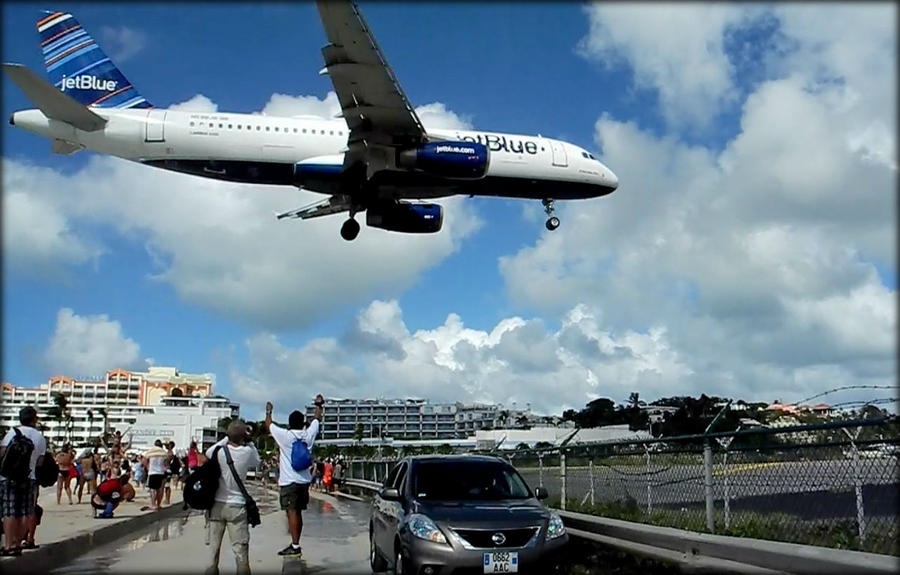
[373,157]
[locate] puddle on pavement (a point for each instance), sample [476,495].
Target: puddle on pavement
[101,558]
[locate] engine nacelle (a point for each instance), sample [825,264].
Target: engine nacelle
[453,160]
[405,217]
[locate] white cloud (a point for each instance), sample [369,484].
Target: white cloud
[218,244]
[519,361]
[89,346]
[37,237]
[197,103]
[121,43]
[760,259]
[678,50]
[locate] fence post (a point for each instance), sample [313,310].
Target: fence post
[540,469]
[647,453]
[726,442]
[591,470]
[857,483]
[708,484]
[562,478]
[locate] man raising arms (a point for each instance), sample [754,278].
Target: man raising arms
[294,484]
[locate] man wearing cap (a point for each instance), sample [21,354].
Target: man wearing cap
[229,511]
[18,496]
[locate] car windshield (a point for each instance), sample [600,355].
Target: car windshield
[464,480]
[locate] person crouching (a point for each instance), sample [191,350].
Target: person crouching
[110,493]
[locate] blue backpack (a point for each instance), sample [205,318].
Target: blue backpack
[301,459]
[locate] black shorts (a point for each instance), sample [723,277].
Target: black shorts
[155,481]
[294,496]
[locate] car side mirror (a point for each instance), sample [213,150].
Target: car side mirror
[390,494]
[541,493]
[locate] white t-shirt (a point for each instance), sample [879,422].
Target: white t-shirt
[285,439]
[156,457]
[245,457]
[40,444]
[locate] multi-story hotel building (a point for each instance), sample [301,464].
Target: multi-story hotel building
[404,418]
[114,403]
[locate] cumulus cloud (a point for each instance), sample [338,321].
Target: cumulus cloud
[121,43]
[197,103]
[518,360]
[218,244]
[760,258]
[677,50]
[38,239]
[90,345]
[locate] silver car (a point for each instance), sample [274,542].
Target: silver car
[464,514]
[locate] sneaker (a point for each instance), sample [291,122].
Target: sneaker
[290,551]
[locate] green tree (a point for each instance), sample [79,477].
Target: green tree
[358,432]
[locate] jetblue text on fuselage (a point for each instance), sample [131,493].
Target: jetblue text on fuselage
[87,82]
[497,143]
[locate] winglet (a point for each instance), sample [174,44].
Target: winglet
[53,103]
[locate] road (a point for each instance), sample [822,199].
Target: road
[334,541]
[811,489]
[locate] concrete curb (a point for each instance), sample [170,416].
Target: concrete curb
[54,555]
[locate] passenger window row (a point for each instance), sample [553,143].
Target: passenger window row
[259,128]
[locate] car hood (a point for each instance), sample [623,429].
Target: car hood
[508,512]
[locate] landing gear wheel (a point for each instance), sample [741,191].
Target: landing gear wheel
[552,221]
[350,230]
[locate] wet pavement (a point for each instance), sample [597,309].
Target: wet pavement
[334,541]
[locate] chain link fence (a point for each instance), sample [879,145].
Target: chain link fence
[832,484]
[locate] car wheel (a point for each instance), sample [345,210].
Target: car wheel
[376,561]
[401,565]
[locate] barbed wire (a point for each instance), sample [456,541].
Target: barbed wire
[843,388]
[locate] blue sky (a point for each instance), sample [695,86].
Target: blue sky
[647,270]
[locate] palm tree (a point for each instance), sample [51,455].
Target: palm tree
[105,416]
[59,412]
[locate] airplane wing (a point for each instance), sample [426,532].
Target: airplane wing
[332,205]
[372,101]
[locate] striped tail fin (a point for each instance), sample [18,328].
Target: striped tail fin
[78,66]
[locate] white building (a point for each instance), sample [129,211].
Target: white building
[111,403]
[182,420]
[403,419]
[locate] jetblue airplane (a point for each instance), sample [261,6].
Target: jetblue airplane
[375,155]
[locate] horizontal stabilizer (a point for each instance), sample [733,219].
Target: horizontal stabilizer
[53,103]
[65,148]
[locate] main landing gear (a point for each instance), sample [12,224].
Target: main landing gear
[552,221]
[350,229]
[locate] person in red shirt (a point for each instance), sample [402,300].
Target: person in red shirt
[110,493]
[327,470]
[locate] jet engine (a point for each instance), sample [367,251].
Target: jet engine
[453,160]
[405,217]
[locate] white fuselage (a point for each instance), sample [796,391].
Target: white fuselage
[202,140]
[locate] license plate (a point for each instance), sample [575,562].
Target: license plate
[501,562]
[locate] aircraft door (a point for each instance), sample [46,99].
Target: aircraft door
[155,126]
[559,153]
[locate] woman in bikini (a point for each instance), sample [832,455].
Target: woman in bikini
[88,474]
[65,459]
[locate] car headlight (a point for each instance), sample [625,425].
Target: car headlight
[424,528]
[556,528]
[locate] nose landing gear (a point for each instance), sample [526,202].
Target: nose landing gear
[552,221]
